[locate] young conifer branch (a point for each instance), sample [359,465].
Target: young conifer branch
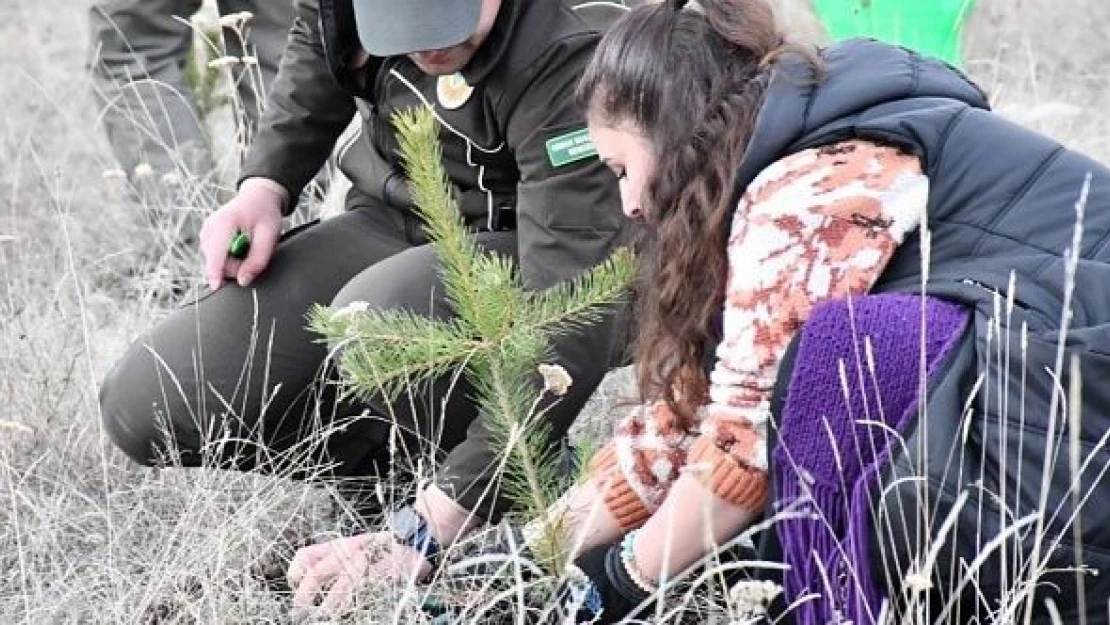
[385,352]
[459,257]
[501,334]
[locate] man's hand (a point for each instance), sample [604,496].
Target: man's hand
[330,572]
[255,210]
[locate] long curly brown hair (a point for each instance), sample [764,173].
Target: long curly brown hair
[692,79]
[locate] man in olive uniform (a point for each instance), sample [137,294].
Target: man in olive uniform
[500,75]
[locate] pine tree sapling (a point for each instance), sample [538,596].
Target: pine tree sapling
[500,337]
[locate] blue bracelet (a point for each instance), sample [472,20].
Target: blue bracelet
[628,560]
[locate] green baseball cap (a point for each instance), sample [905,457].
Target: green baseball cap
[395,27]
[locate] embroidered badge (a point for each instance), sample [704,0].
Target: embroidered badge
[453,91]
[570,148]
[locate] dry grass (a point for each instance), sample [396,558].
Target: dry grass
[86,537]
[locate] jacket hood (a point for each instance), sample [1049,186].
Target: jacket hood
[861,75]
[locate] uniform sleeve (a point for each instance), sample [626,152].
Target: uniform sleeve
[305,113]
[821,224]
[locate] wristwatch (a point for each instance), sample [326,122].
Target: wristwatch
[409,528]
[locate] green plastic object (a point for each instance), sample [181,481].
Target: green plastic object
[932,27]
[240,245]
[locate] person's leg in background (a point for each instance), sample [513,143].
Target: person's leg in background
[139,54]
[410,435]
[137,62]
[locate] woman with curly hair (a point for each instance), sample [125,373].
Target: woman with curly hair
[779,187]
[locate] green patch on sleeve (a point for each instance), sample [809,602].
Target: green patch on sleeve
[570,147]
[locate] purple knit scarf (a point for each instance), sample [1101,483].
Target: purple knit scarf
[826,461]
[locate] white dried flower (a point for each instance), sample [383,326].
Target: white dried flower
[751,598]
[918,582]
[223,61]
[533,531]
[556,380]
[171,179]
[114,174]
[232,20]
[351,310]
[18,428]
[249,61]
[143,170]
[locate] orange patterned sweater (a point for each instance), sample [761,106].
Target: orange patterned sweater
[817,225]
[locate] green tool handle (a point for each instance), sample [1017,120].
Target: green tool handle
[240,245]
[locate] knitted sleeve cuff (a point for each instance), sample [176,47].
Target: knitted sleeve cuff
[623,503]
[726,477]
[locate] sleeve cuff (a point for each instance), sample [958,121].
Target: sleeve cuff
[623,503]
[723,475]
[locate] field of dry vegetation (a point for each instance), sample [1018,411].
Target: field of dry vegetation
[87,537]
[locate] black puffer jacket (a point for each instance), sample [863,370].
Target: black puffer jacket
[1001,212]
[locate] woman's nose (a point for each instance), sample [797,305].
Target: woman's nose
[630,204]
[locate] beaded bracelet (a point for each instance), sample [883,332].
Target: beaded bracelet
[628,559]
